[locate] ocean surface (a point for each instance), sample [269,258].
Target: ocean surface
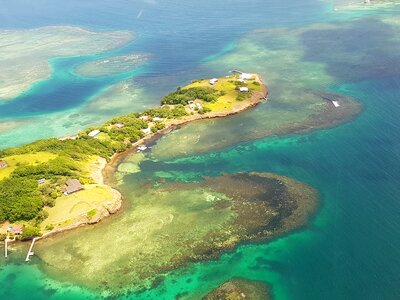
[350,249]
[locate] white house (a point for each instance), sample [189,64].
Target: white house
[147,130]
[119,125]
[157,119]
[245,76]
[244,89]
[144,118]
[199,105]
[94,133]
[213,81]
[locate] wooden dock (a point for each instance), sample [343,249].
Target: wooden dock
[6,247]
[30,252]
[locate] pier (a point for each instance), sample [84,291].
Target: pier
[30,252]
[6,247]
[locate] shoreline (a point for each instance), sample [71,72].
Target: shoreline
[104,209]
[103,174]
[115,160]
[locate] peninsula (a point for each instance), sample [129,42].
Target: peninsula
[54,185]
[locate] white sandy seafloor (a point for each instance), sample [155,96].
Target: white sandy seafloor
[24,54]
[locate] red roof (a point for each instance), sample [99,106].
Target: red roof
[17,229]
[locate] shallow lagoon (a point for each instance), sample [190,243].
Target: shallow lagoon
[355,166]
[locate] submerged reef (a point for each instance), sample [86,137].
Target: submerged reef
[24,54]
[238,289]
[170,224]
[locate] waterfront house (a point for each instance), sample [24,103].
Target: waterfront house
[119,125]
[3,164]
[213,81]
[244,89]
[199,106]
[17,229]
[72,186]
[144,118]
[245,76]
[157,119]
[94,133]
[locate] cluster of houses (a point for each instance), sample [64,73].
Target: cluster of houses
[242,78]
[193,105]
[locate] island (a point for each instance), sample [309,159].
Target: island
[53,185]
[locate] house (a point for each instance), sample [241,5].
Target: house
[73,186]
[244,89]
[17,229]
[144,118]
[3,164]
[147,130]
[199,106]
[94,133]
[41,181]
[119,125]
[245,76]
[213,81]
[192,107]
[157,119]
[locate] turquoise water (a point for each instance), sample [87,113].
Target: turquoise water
[350,248]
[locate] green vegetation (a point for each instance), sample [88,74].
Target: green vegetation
[29,232]
[184,95]
[167,112]
[91,213]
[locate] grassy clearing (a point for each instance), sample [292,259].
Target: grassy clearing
[28,159]
[76,206]
[226,85]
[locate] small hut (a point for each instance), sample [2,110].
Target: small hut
[17,229]
[73,186]
[3,164]
[94,133]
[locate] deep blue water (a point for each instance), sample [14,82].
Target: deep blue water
[350,250]
[177,35]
